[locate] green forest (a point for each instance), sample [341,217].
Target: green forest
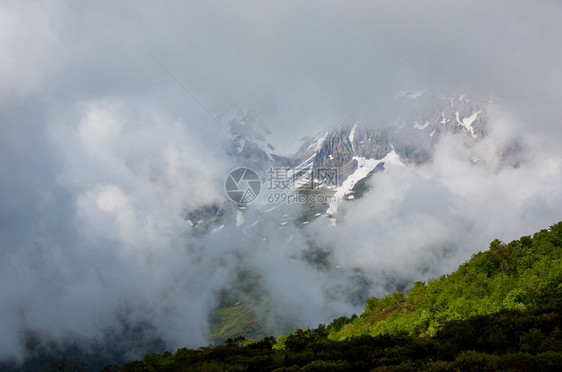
[500,310]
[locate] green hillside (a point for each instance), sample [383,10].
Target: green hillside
[525,274]
[501,310]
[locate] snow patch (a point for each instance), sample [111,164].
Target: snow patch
[241,145]
[364,167]
[417,126]
[352,136]
[318,143]
[467,122]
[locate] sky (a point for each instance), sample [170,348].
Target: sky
[102,152]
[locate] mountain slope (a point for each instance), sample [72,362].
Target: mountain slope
[525,274]
[501,310]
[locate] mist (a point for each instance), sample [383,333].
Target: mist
[102,154]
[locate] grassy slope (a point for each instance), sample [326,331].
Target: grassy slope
[233,321]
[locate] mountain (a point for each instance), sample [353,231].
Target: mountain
[417,121]
[423,118]
[404,137]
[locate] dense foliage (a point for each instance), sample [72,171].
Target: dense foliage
[507,340]
[501,310]
[525,274]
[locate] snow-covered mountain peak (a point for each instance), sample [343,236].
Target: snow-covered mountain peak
[405,135]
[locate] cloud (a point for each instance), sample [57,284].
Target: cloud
[101,152]
[421,222]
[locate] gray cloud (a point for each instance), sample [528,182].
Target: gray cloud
[420,222]
[101,152]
